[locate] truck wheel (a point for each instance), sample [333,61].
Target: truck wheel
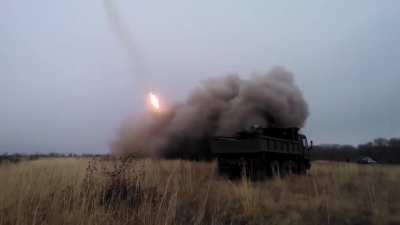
[274,168]
[288,168]
[303,166]
[224,168]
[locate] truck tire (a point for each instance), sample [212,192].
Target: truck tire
[227,169]
[288,168]
[301,168]
[274,169]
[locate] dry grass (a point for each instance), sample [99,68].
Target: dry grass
[78,191]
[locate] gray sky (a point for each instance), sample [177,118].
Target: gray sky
[67,80]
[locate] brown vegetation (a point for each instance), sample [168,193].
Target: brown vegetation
[78,191]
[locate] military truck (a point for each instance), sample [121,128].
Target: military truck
[259,152]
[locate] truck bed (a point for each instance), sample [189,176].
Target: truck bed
[231,145]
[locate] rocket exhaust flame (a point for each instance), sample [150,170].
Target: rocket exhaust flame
[154,101]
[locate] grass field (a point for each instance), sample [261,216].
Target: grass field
[82,191]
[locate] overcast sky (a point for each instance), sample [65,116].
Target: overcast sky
[70,72]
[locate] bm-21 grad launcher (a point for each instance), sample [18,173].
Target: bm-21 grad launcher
[259,151]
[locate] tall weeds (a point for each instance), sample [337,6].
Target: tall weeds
[79,191]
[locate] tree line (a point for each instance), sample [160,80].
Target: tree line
[382,150]
[18,157]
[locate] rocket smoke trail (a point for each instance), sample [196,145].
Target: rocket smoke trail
[220,106]
[126,39]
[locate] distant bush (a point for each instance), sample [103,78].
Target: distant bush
[15,158]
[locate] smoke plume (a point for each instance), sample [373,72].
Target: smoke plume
[219,106]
